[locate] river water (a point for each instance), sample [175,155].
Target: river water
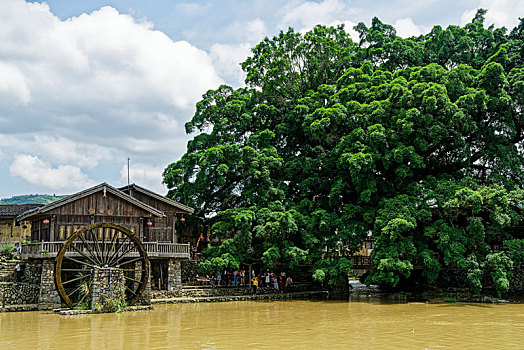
[274,325]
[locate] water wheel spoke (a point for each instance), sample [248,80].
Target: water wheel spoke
[132,279]
[76,290]
[112,248]
[82,299]
[123,255]
[104,230]
[96,246]
[88,246]
[74,270]
[78,261]
[76,279]
[117,251]
[130,261]
[85,256]
[129,289]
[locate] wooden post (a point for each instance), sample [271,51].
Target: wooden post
[52,230]
[175,238]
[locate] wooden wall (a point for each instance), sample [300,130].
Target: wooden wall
[95,208]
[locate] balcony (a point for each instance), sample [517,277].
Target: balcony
[47,250]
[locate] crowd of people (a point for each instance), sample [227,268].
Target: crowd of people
[279,281]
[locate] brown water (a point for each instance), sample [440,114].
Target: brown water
[274,325]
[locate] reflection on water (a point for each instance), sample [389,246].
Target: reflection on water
[274,325]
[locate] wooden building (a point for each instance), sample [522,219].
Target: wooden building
[148,215]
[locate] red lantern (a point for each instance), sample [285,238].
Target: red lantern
[149,224]
[182,219]
[46,221]
[201,238]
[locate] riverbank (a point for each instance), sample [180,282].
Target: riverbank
[225,298]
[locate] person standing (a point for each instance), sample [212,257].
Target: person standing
[255,284]
[18,272]
[242,277]
[267,277]
[235,278]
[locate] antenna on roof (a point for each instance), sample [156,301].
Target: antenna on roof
[128,188]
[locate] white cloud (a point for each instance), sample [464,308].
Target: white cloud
[37,172]
[500,12]
[144,175]
[59,150]
[13,84]
[406,28]
[227,59]
[255,30]
[306,14]
[76,94]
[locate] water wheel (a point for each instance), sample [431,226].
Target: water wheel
[101,245]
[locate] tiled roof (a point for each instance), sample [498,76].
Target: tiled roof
[13,210]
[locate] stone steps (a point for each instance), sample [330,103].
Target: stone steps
[7,270]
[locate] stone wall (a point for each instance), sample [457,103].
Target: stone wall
[189,270]
[108,288]
[14,293]
[49,298]
[32,272]
[174,273]
[145,298]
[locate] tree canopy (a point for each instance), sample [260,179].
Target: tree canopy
[416,140]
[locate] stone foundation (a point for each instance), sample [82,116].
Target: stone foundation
[108,289]
[32,272]
[174,279]
[13,293]
[145,298]
[48,298]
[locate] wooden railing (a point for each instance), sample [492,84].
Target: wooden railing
[360,261]
[44,250]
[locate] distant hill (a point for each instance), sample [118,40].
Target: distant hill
[31,198]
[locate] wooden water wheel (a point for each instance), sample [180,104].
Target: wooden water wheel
[101,245]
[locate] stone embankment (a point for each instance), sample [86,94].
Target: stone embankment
[15,296]
[224,298]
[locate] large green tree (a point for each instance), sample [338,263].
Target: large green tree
[416,140]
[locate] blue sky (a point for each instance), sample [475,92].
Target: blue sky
[86,84]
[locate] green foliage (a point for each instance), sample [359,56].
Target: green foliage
[499,267]
[319,275]
[83,305]
[334,271]
[7,252]
[475,274]
[31,198]
[514,249]
[110,305]
[417,140]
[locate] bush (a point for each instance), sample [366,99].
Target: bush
[110,305]
[7,253]
[514,248]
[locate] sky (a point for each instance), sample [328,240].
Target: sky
[86,84]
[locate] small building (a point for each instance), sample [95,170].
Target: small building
[148,215]
[11,230]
